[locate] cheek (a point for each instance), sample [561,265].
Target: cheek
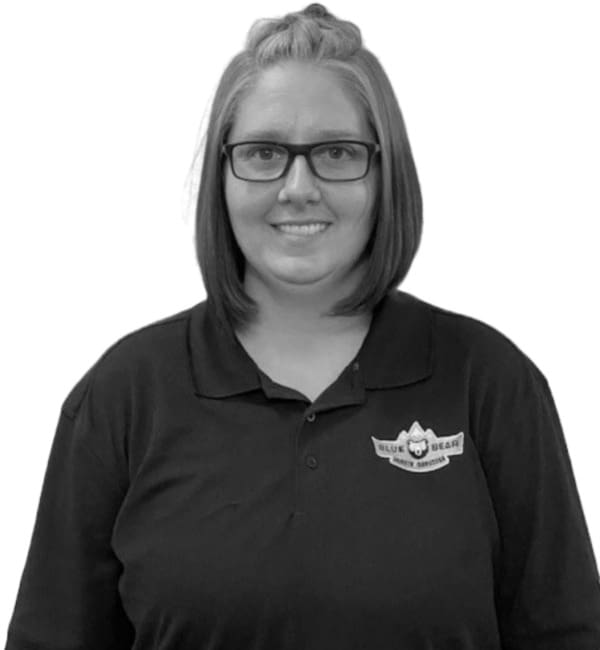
[370,202]
[355,207]
[247,201]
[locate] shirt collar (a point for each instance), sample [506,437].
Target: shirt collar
[398,349]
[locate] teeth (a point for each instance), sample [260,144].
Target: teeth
[309,229]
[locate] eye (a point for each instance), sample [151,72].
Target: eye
[340,151]
[264,153]
[337,152]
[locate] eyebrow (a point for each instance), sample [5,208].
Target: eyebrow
[324,134]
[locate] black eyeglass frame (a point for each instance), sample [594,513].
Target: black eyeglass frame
[301,150]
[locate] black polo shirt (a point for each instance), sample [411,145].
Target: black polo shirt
[425,500]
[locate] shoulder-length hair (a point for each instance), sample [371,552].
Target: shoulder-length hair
[312,35]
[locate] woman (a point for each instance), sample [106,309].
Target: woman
[310,459]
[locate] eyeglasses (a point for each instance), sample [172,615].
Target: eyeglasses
[336,160]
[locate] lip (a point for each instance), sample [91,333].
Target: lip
[300,223]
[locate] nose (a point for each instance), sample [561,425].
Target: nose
[300,184]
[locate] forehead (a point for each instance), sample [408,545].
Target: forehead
[296,102]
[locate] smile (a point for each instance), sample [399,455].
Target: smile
[305,230]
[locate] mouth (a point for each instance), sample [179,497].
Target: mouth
[302,230]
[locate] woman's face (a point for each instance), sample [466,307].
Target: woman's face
[301,103]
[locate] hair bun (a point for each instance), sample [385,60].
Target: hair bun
[312,33]
[316,10]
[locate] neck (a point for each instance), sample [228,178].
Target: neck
[298,313]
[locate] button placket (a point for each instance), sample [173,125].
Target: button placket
[310,459]
[307,476]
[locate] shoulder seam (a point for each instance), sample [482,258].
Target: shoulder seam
[160,323]
[181,316]
[490,328]
[113,479]
[91,371]
[487,326]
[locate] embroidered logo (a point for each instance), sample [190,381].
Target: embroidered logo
[418,450]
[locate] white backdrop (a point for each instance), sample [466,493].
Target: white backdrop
[101,111]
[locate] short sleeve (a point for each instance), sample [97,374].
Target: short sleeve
[68,595]
[548,587]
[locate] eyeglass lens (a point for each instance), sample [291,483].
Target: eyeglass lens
[332,161]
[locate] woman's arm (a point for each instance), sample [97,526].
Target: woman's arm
[548,587]
[68,595]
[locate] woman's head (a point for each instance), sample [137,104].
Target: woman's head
[298,79]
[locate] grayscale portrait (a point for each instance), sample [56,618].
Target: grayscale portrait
[311,455]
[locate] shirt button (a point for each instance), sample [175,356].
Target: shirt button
[311,417]
[355,366]
[312,462]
